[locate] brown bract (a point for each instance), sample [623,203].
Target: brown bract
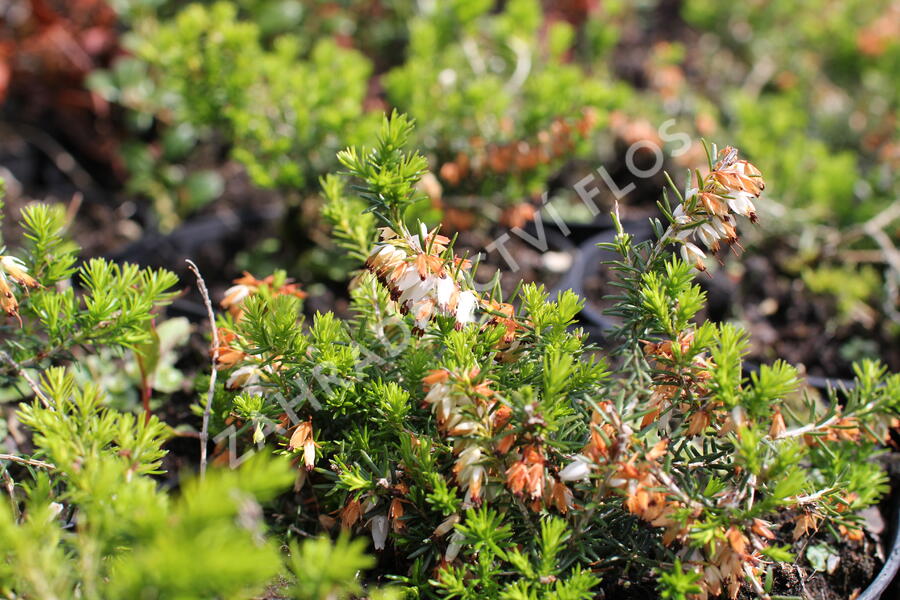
[246,285]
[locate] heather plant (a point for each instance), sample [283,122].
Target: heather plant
[508,104]
[230,88]
[113,309]
[488,448]
[447,440]
[501,102]
[482,442]
[817,83]
[85,514]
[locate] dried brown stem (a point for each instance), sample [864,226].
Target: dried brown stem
[24,375]
[11,490]
[27,461]
[204,429]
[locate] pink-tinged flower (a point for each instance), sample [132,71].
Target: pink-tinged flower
[707,214]
[303,438]
[245,376]
[725,228]
[465,310]
[379,527]
[350,513]
[742,203]
[708,235]
[561,497]
[235,295]
[17,271]
[385,258]
[446,526]
[469,472]
[455,545]
[691,253]
[14,269]
[247,285]
[445,289]
[578,469]
[422,278]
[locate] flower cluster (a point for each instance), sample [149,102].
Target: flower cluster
[707,212]
[230,354]
[552,143]
[464,406]
[468,411]
[623,466]
[14,269]
[687,383]
[529,478]
[379,518]
[423,276]
[246,285]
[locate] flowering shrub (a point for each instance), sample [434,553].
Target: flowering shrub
[230,84]
[491,450]
[444,439]
[483,443]
[85,515]
[502,99]
[832,106]
[494,130]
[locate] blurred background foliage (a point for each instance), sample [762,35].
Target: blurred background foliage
[202,129]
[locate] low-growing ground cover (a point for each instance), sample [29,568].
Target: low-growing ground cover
[478,445]
[567,150]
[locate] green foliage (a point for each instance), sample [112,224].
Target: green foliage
[339,562]
[75,430]
[535,577]
[351,227]
[852,288]
[510,456]
[50,255]
[841,69]
[258,77]
[474,77]
[281,107]
[821,180]
[131,540]
[676,584]
[211,544]
[208,543]
[497,454]
[86,516]
[390,173]
[671,297]
[112,311]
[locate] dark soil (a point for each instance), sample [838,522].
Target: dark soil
[784,319]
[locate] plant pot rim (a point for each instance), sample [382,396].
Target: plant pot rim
[888,571]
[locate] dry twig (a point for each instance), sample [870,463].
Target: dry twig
[24,374]
[11,490]
[204,430]
[27,461]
